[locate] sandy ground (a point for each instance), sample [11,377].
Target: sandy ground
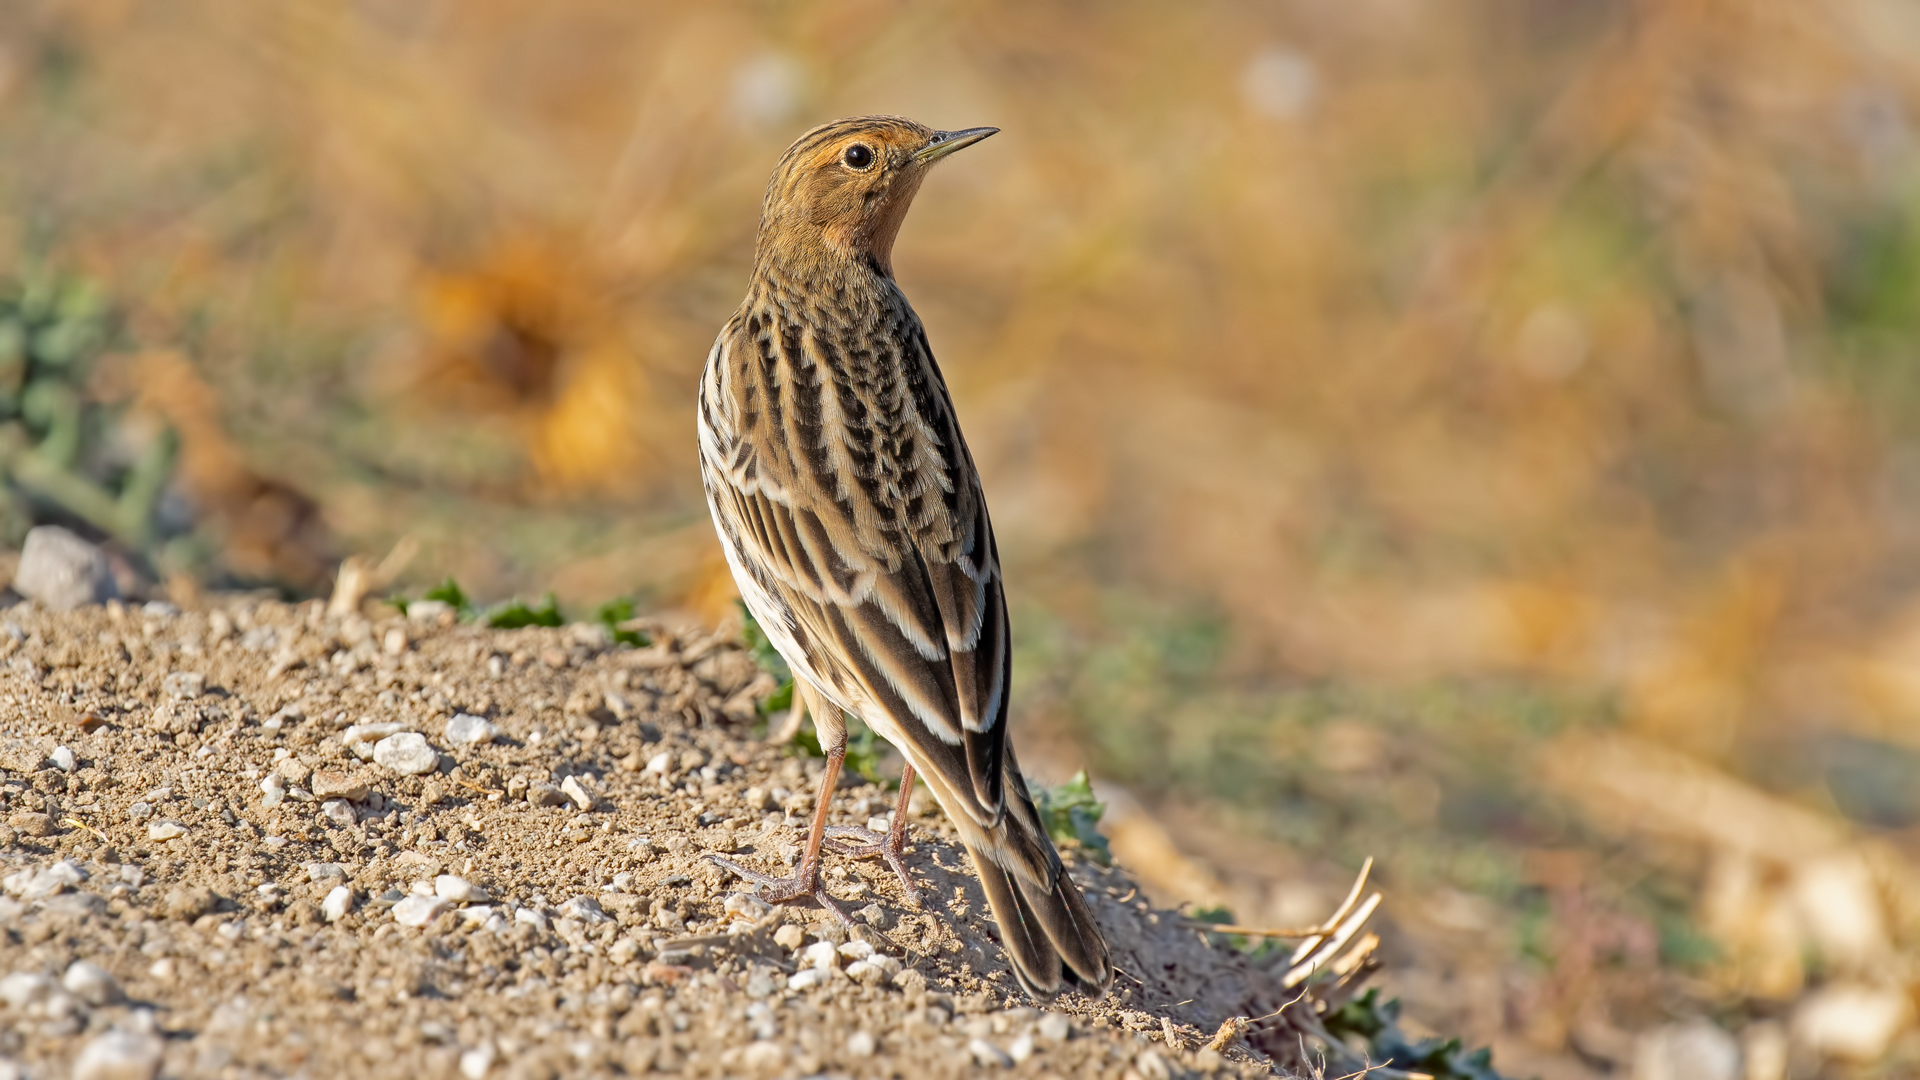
[203,874]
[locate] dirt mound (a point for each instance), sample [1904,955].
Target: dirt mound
[225,854]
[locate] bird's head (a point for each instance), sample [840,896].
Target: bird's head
[841,190]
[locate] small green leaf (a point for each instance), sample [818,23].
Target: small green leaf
[614,612]
[1072,815]
[516,614]
[449,592]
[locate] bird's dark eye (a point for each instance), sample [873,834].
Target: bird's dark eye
[858,156]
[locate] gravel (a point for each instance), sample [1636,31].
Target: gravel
[283,937]
[465,729]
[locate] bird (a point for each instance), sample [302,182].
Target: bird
[852,517]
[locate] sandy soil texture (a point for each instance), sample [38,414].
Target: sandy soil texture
[226,855]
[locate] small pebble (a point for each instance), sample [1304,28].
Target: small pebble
[861,1044]
[867,974]
[987,1054]
[806,978]
[64,759]
[419,910]
[361,738]
[406,753]
[789,936]
[339,901]
[329,784]
[458,890]
[1054,1028]
[660,763]
[139,812]
[1022,1048]
[338,811]
[573,789]
[91,983]
[535,919]
[821,955]
[759,799]
[586,909]
[465,729]
[546,795]
[273,789]
[475,1062]
[166,830]
[23,988]
[119,1055]
[320,871]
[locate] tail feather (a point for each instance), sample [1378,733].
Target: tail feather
[1045,925]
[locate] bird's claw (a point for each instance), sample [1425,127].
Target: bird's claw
[801,885]
[872,845]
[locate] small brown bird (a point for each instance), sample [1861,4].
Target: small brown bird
[853,521]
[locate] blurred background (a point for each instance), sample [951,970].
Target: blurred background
[1479,434]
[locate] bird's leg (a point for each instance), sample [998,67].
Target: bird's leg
[891,846]
[805,884]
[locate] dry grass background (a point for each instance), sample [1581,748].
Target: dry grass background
[1484,434]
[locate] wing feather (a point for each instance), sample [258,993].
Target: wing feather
[874,554]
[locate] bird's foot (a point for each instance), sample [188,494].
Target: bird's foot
[804,884]
[858,843]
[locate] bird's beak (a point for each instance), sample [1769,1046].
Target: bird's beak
[946,142]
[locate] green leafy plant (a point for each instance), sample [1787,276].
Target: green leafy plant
[1259,948]
[865,750]
[614,612]
[1376,1024]
[1072,815]
[515,614]
[449,593]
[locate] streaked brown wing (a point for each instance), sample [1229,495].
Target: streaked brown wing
[862,519]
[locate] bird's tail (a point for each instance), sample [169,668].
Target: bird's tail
[1045,925]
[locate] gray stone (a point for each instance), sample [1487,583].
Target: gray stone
[63,571]
[546,795]
[338,811]
[406,753]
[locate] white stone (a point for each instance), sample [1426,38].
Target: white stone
[406,753]
[789,936]
[427,610]
[573,789]
[360,738]
[475,1063]
[531,917]
[1054,1028]
[139,812]
[339,811]
[465,729]
[166,830]
[1022,1048]
[659,763]
[477,915]
[748,905]
[861,1044]
[272,789]
[419,910]
[64,759]
[821,955]
[586,909]
[867,974]
[856,950]
[339,901]
[458,890]
[807,978]
[23,988]
[33,884]
[987,1054]
[1851,1020]
[91,983]
[119,1055]
[63,571]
